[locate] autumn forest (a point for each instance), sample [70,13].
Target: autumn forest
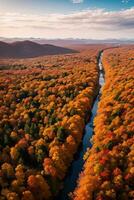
[46,103]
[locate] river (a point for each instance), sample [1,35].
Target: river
[76,167]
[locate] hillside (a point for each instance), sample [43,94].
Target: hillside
[28,49]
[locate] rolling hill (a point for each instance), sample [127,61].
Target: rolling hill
[29,49]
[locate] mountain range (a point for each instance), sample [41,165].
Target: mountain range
[30,49]
[70,41]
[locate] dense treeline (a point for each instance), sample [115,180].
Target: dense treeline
[108,172]
[43,111]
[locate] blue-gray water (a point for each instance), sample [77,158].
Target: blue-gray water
[70,181]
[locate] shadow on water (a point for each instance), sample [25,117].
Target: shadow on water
[70,181]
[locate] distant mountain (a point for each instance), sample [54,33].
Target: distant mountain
[68,42]
[71,41]
[29,49]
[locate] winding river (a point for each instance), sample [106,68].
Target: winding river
[76,167]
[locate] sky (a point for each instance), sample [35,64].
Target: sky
[84,19]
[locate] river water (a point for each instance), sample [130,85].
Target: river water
[76,167]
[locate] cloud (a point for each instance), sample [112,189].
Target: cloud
[77,1]
[125,1]
[90,23]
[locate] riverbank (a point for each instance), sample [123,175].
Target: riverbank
[109,171]
[76,167]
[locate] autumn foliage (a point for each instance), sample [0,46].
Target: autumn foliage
[43,110]
[108,172]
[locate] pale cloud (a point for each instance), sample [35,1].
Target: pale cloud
[91,23]
[77,1]
[125,1]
